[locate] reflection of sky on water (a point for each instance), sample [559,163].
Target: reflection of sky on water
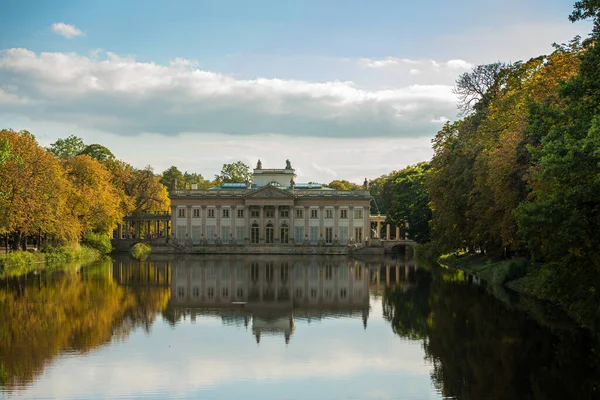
[327,359]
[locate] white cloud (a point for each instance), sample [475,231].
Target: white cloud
[123,96]
[459,64]
[66,30]
[414,71]
[387,62]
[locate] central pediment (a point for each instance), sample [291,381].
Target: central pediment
[269,192]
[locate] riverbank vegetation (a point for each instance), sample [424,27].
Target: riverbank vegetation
[141,251]
[513,188]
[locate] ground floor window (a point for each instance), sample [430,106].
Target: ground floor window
[314,234]
[343,234]
[180,234]
[284,233]
[211,231]
[254,234]
[196,233]
[225,233]
[299,234]
[269,234]
[239,234]
[329,235]
[358,234]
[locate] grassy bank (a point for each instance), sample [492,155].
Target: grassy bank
[496,272]
[20,262]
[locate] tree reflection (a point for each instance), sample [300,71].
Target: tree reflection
[47,314]
[480,348]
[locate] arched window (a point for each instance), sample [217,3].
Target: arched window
[269,233]
[254,233]
[285,233]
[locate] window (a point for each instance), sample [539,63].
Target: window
[240,213]
[211,233]
[343,234]
[225,213]
[329,213]
[343,293]
[329,235]
[211,213]
[314,234]
[181,232]
[328,272]
[255,213]
[225,292]
[181,212]
[284,213]
[269,272]
[314,213]
[210,292]
[180,291]
[240,293]
[196,213]
[313,293]
[239,234]
[284,234]
[269,213]
[328,293]
[343,213]
[358,234]
[299,234]
[196,233]
[225,233]
[254,232]
[358,213]
[299,212]
[298,293]
[196,292]
[269,233]
[284,272]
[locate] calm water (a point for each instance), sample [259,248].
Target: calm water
[282,328]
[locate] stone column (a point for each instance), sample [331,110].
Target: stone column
[174,221]
[377,233]
[336,222]
[233,211]
[351,224]
[218,211]
[276,238]
[292,231]
[120,232]
[203,229]
[397,232]
[306,226]
[188,221]
[321,224]
[247,222]
[261,228]
[406,230]
[387,231]
[138,230]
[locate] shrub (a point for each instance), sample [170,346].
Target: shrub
[141,251]
[99,242]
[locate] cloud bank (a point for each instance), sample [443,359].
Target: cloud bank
[66,30]
[127,97]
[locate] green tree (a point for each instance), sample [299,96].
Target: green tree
[67,148]
[409,201]
[343,185]
[98,152]
[236,172]
[170,175]
[198,179]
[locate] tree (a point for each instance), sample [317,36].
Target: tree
[477,88]
[409,201]
[67,148]
[198,179]
[98,152]
[4,150]
[236,172]
[169,176]
[94,200]
[343,185]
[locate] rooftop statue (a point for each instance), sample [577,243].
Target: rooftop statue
[288,164]
[366,184]
[259,164]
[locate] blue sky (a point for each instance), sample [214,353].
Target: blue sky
[200,83]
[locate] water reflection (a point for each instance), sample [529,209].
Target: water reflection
[266,326]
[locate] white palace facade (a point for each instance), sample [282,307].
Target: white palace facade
[271,210]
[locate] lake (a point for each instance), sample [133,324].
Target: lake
[283,327]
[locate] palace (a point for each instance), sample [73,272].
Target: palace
[271,210]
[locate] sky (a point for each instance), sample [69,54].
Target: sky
[344,89]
